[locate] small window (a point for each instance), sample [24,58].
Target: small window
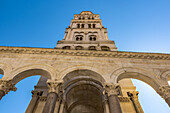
[105,48]
[94,25]
[79,18]
[92,48]
[92,18]
[79,48]
[92,38]
[79,38]
[89,25]
[78,25]
[89,18]
[82,25]
[83,18]
[66,47]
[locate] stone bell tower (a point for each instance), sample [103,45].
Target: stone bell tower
[82,90]
[86,32]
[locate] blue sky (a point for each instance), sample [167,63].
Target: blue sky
[134,25]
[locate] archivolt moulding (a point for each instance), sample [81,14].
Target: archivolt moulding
[70,69]
[34,69]
[136,73]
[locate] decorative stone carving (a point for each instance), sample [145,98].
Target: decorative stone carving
[7,85]
[164,91]
[133,94]
[134,98]
[124,99]
[35,93]
[54,86]
[113,54]
[112,89]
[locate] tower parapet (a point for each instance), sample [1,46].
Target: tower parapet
[86,32]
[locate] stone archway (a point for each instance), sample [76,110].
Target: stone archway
[30,72]
[83,92]
[159,85]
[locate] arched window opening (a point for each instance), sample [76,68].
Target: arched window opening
[92,18]
[83,18]
[66,47]
[92,38]
[78,25]
[94,25]
[105,48]
[79,18]
[89,18]
[89,25]
[79,38]
[92,48]
[79,48]
[82,25]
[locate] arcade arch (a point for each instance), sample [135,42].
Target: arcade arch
[83,91]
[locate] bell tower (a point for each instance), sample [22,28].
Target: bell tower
[86,32]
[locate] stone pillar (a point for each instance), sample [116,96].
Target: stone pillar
[5,87]
[35,96]
[62,106]
[134,98]
[164,91]
[52,97]
[106,105]
[113,90]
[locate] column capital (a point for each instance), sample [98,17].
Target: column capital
[164,91]
[133,94]
[112,89]
[35,93]
[7,85]
[54,86]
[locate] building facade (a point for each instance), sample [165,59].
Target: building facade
[84,73]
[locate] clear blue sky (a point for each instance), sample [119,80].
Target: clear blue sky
[134,25]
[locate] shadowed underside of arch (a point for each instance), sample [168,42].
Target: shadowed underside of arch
[1,72]
[30,72]
[83,73]
[141,77]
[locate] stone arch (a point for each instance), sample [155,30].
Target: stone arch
[5,70]
[83,86]
[139,74]
[31,70]
[166,75]
[79,68]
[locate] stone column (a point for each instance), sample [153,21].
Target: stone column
[134,98]
[164,91]
[5,87]
[52,97]
[113,90]
[35,96]
[62,106]
[105,103]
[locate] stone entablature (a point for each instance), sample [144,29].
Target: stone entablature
[117,54]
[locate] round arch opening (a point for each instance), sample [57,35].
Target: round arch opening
[83,92]
[30,72]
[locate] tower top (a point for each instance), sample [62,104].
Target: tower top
[86,12]
[86,32]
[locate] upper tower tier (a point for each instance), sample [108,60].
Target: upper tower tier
[86,32]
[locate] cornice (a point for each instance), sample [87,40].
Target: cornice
[112,54]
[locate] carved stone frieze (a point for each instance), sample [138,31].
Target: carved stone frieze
[164,91]
[114,54]
[7,85]
[124,99]
[112,89]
